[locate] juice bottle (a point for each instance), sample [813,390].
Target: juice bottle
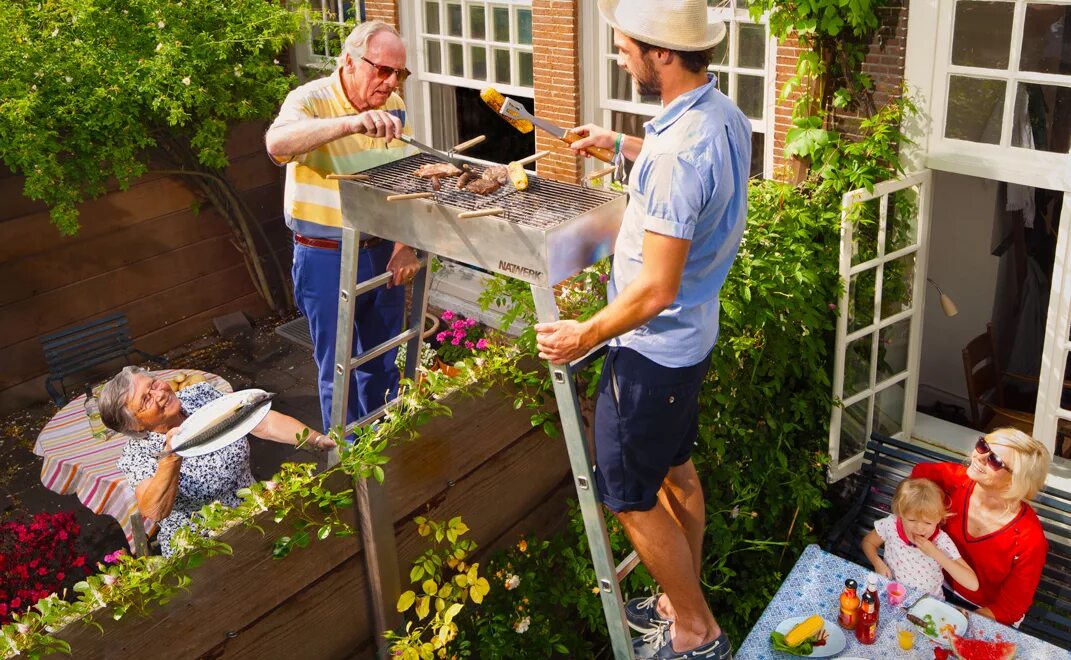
[866,631]
[872,589]
[849,605]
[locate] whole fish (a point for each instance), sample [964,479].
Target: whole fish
[225,422]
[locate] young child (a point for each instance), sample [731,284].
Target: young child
[916,549]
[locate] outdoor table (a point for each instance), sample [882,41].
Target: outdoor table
[80,457]
[814,586]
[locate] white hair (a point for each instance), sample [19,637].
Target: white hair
[357,42]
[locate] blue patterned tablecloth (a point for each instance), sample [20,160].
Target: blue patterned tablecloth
[814,586]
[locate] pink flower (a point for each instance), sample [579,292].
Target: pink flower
[456,341]
[470,323]
[441,337]
[113,558]
[458,325]
[604,278]
[448,315]
[469,345]
[481,344]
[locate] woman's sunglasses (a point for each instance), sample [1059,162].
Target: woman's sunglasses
[994,461]
[383,72]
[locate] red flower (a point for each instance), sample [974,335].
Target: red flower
[60,576]
[16,603]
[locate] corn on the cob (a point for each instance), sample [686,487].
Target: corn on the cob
[518,176]
[495,100]
[804,630]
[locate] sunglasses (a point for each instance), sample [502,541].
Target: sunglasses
[994,461]
[383,72]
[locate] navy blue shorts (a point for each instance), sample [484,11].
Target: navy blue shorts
[644,426]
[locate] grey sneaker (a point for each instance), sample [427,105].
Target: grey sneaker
[642,614]
[657,645]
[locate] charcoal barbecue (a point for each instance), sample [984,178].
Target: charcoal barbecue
[541,235]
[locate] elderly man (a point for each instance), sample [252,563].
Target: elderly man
[341,124]
[679,235]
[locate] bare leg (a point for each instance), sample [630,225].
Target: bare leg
[682,496]
[664,549]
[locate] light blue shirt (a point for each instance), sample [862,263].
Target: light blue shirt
[690,182]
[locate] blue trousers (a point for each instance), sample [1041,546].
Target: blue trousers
[377,318]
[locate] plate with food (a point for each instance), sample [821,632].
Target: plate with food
[935,618]
[808,636]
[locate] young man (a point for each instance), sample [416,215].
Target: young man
[679,235]
[343,123]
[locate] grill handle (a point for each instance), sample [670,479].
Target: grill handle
[480,213]
[416,195]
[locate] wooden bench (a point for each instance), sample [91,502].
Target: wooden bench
[888,461]
[78,349]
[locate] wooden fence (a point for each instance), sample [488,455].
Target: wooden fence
[485,463]
[146,251]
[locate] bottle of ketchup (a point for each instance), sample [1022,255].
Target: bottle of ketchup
[866,630]
[849,605]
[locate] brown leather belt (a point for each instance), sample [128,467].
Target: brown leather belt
[331,244]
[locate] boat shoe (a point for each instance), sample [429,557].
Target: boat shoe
[642,614]
[657,645]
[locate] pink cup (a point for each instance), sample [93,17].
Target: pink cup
[895,593]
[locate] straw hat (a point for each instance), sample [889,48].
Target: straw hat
[672,24]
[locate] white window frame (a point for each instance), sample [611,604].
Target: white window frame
[603,57]
[514,46]
[928,70]
[841,466]
[308,62]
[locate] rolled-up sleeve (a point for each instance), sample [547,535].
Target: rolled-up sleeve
[294,109]
[675,195]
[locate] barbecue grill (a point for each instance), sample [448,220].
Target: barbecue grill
[541,235]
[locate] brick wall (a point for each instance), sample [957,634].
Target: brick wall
[884,64]
[384,10]
[556,64]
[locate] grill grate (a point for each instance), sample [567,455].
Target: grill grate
[545,204]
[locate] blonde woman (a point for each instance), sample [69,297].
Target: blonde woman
[991,523]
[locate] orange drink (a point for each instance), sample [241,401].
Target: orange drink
[905,637]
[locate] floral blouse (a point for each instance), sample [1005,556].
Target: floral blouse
[202,479]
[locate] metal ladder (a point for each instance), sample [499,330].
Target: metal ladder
[376,525]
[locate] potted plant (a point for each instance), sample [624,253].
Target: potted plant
[461,338]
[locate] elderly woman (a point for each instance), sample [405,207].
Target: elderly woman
[991,523]
[169,488]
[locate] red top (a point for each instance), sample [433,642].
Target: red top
[1008,562]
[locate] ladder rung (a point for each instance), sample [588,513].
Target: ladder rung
[384,347]
[372,416]
[367,285]
[627,565]
[591,356]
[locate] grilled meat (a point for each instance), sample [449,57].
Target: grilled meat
[497,173]
[465,178]
[436,183]
[482,186]
[437,169]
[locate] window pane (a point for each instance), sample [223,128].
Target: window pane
[721,51]
[892,351]
[889,410]
[477,22]
[903,220]
[861,300]
[982,34]
[524,69]
[620,83]
[1046,39]
[1042,118]
[752,52]
[722,81]
[478,57]
[749,95]
[434,60]
[897,280]
[524,26]
[500,16]
[502,72]
[857,365]
[454,21]
[431,17]
[758,154]
[457,59]
[975,109]
[853,435]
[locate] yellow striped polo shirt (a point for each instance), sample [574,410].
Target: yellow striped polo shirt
[311,203]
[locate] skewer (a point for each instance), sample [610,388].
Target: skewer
[480,213]
[416,195]
[350,177]
[467,144]
[599,173]
[533,158]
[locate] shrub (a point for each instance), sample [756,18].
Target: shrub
[36,559]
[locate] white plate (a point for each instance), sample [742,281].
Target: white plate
[942,614]
[207,414]
[835,643]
